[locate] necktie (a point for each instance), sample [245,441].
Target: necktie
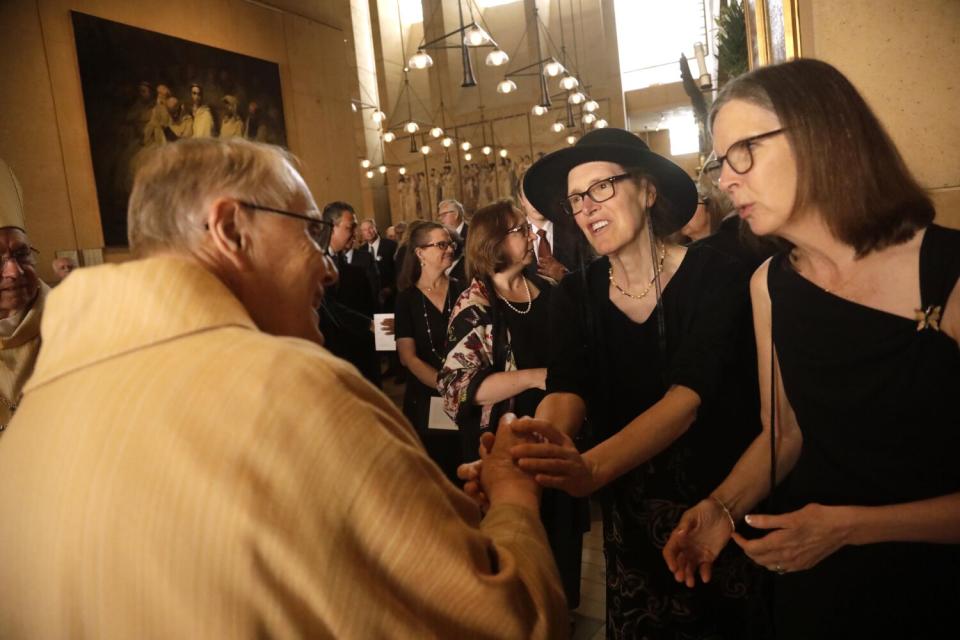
[544,250]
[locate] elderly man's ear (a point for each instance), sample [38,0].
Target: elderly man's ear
[229,231]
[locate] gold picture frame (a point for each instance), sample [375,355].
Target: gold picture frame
[773,31]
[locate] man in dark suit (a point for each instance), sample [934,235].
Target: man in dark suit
[450,215]
[383,251]
[556,244]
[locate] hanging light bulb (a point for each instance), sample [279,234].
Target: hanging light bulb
[465,145]
[571,139]
[370,173]
[382,168]
[552,68]
[447,141]
[590,106]
[487,149]
[538,110]
[497,58]
[600,124]
[425,149]
[365,163]
[589,118]
[503,153]
[389,136]
[411,127]
[378,116]
[420,60]
[557,126]
[475,36]
[436,132]
[468,156]
[569,83]
[353,106]
[402,171]
[506,86]
[576,98]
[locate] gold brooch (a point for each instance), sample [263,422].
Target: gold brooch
[929,317]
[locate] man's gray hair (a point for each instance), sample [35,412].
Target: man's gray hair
[455,203]
[177,181]
[370,221]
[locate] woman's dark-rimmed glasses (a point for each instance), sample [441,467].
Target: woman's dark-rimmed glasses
[318,230]
[599,191]
[739,156]
[443,245]
[523,229]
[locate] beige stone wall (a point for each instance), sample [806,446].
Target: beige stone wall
[903,57]
[43,133]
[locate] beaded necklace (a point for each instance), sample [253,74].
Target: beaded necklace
[426,320]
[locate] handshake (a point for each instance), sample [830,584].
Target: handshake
[525,455]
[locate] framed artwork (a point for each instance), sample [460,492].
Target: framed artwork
[142,90]
[773,31]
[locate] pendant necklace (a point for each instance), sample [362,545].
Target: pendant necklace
[640,296]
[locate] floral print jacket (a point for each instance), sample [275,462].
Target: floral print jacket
[472,357]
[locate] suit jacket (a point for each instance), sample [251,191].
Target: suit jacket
[365,260]
[353,288]
[173,472]
[386,264]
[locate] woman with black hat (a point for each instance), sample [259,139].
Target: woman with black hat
[642,337]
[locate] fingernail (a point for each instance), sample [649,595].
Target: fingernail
[748,519]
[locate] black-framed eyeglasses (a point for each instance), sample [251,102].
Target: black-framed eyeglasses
[443,245]
[599,191]
[24,256]
[318,230]
[523,229]
[739,156]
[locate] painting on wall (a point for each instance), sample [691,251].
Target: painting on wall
[142,90]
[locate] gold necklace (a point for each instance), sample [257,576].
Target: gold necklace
[659,270]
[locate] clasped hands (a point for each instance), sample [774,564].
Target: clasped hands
[797,540]
[543,453]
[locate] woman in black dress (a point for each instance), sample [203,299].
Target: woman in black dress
[857,333]
[642,338]
[496,364]
[420,326]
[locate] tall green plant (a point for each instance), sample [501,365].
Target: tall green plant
[731,42]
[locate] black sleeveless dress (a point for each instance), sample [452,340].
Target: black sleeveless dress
[875,398]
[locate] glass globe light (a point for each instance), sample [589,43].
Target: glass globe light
[425,149]
[576,98]
[365,163]
[411,127]
[370,173]
[506,86]
[569,83]
[475,36]
[378,116]
[420,60]
[497,58]
[382,168]
[557,126]
[487,149]
[468,156]
[589,118]
[436,132]
[448,141]
[465,145]
[571,139]
[538,110]
[552,68]
[600,124]
[591,105]
[389,136]
[402,171]
[503,153]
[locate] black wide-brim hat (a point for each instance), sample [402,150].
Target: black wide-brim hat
[545,183]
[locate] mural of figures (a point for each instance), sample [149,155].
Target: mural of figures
[448,184]
[488,184]
[505,178]
[423,196]
[143,89]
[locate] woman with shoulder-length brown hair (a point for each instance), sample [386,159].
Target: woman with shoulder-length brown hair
[857,329]
[499,351]
[420,325]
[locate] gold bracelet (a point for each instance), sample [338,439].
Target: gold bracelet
[726,512]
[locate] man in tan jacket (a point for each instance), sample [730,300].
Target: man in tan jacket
[187,462]
[22,296]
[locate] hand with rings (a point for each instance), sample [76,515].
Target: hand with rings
[798,540]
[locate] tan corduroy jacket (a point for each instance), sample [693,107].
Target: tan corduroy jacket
[172,472]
